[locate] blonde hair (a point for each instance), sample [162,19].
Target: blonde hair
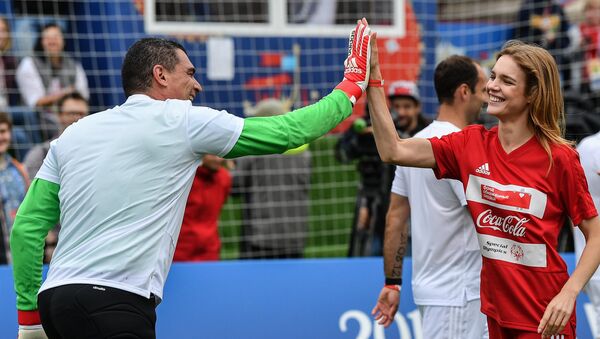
[546,113]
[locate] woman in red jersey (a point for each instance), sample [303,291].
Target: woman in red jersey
[521,181]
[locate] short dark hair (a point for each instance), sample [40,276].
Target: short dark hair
[451,73]
[5,119]
[142,56]
[70,96]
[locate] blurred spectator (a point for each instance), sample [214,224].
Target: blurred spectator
[199,236]
[590,48]
[9,94]
[48,75]
[71,107]
[543,22]
[13,185]
[29,15]
[275,193]
[375,176]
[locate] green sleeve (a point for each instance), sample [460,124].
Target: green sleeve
[277,134]
[36,216]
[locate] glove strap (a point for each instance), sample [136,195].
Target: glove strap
[28,317]
[376,83]
[351,89]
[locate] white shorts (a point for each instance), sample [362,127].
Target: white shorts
[592,289]
[452,322]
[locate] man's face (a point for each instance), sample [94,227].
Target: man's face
[212,162]
[182,83]
[479,97]
[71,111]
[4,138]
[405,111]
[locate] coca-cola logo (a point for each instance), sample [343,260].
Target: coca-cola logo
[510,224]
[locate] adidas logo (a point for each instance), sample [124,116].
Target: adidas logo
[483,169]
[350,62]
[352,66]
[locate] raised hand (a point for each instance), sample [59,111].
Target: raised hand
[357,65]
[375,71]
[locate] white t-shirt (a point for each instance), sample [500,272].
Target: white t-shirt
[124,176]
[445,252]
[589,154]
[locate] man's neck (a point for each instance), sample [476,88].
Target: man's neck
[452,114]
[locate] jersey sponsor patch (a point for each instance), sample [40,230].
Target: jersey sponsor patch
[507,197]
[532,255]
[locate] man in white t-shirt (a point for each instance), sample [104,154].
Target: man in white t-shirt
[118,181]
[589,154]
[446,258]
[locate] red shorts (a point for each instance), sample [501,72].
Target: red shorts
[498,332]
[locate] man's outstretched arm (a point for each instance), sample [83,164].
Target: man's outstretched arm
[271,135]
[36,216]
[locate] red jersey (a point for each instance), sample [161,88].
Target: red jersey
[199,236]
[518,212]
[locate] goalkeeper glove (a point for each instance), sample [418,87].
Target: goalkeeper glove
[30,325]
[358,63]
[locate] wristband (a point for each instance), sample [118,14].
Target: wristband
[376,83]
[394,287]
[28,317]
[393,281]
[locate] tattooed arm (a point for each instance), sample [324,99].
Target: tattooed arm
[396,235]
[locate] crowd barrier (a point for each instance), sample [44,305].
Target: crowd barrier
[312,298]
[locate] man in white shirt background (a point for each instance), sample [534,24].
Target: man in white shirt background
[589,154]
[445,251]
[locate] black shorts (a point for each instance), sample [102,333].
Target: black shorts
[93,311]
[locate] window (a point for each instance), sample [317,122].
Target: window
[272,17]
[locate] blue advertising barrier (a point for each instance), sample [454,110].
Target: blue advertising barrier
[320,298]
